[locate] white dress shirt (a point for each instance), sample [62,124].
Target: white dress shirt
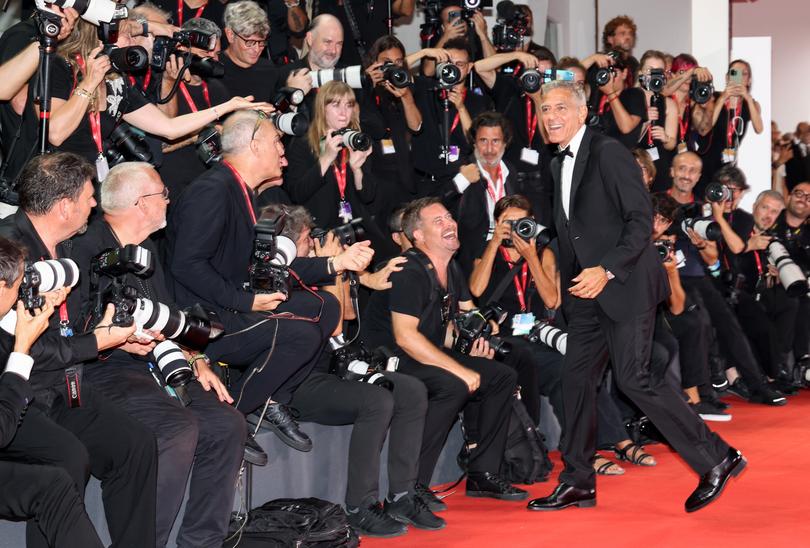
[567,172]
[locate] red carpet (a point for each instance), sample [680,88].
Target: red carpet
[767,505]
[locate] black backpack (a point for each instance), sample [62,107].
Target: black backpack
[525,459]
[303,523]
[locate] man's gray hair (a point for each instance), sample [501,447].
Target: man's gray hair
[124,185]
[297,219]
[574,90]
[141,12]
[770,194]
[237,131]
[201,23]
[246,18]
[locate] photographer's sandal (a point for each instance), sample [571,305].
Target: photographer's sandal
[634,454]
[606,467]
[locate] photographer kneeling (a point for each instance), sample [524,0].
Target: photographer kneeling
[203,436]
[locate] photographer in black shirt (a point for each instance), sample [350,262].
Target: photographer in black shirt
[413,319]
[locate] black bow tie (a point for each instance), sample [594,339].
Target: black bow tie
[565,152]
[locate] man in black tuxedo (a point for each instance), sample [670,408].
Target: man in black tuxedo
[613,281]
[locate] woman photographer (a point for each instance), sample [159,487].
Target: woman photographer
[328,176]
[659,133]
[620,109]
[89,101]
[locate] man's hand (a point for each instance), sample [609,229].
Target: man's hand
[470,172]
[503,231]
[374,73]
[267,302]
[30,326]
[758,242]
[210,381]
[457,98]
[172,71]
[696,240]
[355,258]
[590,283]
[527,250]
[69,17]
[331,246]
[527,59]
[109,335]
[480,24]
[300,79]
[57,296]
[380,280]
[659,133]
[481,349]
[703,74]
[438,54]
[455,29]
[469,377]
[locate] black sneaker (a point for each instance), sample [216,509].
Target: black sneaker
[768,396]
[708,412]
[254,454]
[784,386]
[374,522]
[720,383]
[279,420]
[740,389]
[434,503]
[412,509]
[486,484]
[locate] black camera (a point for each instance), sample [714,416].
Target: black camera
[718,192]
[126,144]
[206,67]
[655,81]
[126,59]
[287,122]
[474,324]
[700,92]
[175,369]
[397,75]
[347,233]
[44,276]
[358,364]
[286,98]
[791,276]
[448,75]
[527,228]
[664,248]
[353,139]
[209,146]
[532,79]
[272,255]
[603,75]
[510,27]
[164,46]
[549,335]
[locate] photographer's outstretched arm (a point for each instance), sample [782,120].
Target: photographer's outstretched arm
[544,274]
[677,296]
[487,68]
[16,72]
[402,8]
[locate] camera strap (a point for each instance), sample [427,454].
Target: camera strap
[458,117]
[512,275]
[531,120]
[190,101]
[340,175]
[520,284]
[358,40]
[731,125]
[604,104]
[146,79]
[73,385]
[180,6]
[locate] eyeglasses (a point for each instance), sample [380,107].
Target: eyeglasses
[800,195]
[261,118]
[164,193]
[252,43]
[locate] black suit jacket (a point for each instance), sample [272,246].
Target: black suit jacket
[15,395]
[609,224]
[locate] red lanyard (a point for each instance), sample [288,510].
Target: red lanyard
[456,119]
[603,104]
[94,117]
[683,121]
[520,286]
[190,101]
[243,185]
[146,80]
[496,188]
[340,175]
[180,12]
[732,120]
[531,120]
[757,259]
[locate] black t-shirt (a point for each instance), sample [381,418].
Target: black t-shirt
[795,239]
[711,146]
[122,98]
[279,40]
[259,80]
[22,129]
[414,294]
[213,10]
[182,166]
[395,166]
[369,15]
[742,223]
[427,144]
[509,297]
[634,101]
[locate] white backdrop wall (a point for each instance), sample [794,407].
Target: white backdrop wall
[662,24]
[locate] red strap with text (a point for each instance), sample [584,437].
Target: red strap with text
[340,175]
[243,185]
[179,21]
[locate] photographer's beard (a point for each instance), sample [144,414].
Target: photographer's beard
[488,162]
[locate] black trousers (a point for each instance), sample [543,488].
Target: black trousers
[47,495]
[486,411]
[693,329]
[801,340]
[205,440]
[770,324]
[592,339]
[730,335]
[539,372]
[275,354]
[101,439]
[326,399]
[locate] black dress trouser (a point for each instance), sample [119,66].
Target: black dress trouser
[47,495]
[101,439]
[593,338]
[486,411]
[326,399]
[770,324]
[205,440]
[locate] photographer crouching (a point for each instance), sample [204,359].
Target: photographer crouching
[275,337]
[413,319]
[197,432]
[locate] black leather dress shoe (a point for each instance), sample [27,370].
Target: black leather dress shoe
[254,454]
[278,419]
[486,484]
[564,496]
[712,483]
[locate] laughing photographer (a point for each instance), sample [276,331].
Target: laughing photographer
[204,438]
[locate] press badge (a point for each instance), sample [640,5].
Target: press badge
[522,324]
[102,168]
[681,147]
[653,152]
[529,155]
[388,146]
[453,154]
[345,211]
[729,155]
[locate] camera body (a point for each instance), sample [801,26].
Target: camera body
[705,227]
[718,192]
[700,92]
[355,363]
[283,118]
[353,76]
[206,67]
[791,275]
[396,75]
[353,139]
[664,248]
[272,254]
[92,11]
[165,46]
[44,276]
[531,80]
[549,335]
[603,75]
[347,233]
[510,27]
[655,81]
[209,146]
[447,75]
[474,324]
[126,144]
[528,228]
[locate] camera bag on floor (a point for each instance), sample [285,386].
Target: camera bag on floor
[303,523]
[525,459]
